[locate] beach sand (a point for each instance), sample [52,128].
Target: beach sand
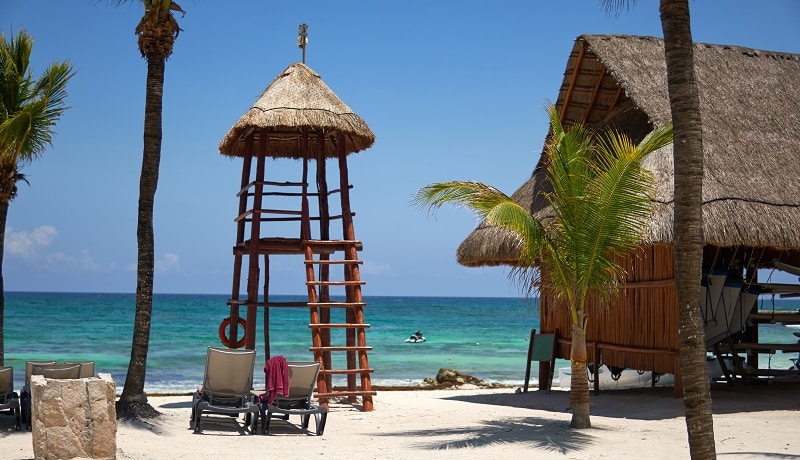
[750,421]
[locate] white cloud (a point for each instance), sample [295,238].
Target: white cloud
[30,246]
[58,261]
[370,268]
[25,244]
[169,262]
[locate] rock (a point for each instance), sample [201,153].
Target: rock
[74,418]
[452,377]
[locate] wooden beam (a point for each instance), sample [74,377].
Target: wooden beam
[616,99]
[594,93]
[572,82]
[648,284]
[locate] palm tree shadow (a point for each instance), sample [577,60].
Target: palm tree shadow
[641,404]
[535,432]
[652,403]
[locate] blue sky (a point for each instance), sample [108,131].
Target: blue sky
[452,90]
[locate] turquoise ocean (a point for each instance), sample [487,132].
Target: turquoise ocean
[484,337]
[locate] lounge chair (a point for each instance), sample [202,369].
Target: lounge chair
[302,378]
[49,370]
[25,394]
[227,387]
[57,371]
[87,368]
[9,400]
[29,369]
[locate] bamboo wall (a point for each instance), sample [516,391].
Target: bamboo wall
[638,328]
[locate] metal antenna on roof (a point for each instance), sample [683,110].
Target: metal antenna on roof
[302,39]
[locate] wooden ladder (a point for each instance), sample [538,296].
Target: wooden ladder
[318,256]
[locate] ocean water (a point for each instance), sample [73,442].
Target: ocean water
[484,337]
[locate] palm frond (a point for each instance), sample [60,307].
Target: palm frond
[30,108]
[495,207]
[600,200]
[475,196]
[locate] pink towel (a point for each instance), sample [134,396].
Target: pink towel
[276,373]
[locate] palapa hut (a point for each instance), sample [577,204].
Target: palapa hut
[298,117]
[751,196]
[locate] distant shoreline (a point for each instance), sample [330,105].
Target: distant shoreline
[442,386]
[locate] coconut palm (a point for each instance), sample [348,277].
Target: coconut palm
[29,109]
[599,206]
[684,103]
[688,220]
[156,32]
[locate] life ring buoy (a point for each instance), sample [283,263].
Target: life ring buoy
[223,335]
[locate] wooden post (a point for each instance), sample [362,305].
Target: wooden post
[240,238]
[324,234]
[356,314]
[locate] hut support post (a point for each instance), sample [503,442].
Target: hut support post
[267,351]
[324,234]
[240,236]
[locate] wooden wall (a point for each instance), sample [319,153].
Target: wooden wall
[638,329]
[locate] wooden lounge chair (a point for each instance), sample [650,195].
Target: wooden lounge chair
[227,387]
[302,378]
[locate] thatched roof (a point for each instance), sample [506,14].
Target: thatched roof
[749,107]
[297,102]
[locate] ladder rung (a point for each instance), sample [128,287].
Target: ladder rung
[274,184]
[251,212]
[336,304]
[346,371]
[287,304]
[331,242]
[337,325]
[335,394]
[335,283]
[241,302]
[330,262]
[234,302]
[345,348]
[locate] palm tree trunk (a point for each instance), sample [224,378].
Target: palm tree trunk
[133,391]
[688,215]
[579,384]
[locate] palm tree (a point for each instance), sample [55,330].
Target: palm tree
[29,109]
[688,220]
[688,224]
[157,32]
[600,202]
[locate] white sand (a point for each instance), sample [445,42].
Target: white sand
[749,422]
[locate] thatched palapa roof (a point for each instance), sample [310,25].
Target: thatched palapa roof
[297,102]
[750,109]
